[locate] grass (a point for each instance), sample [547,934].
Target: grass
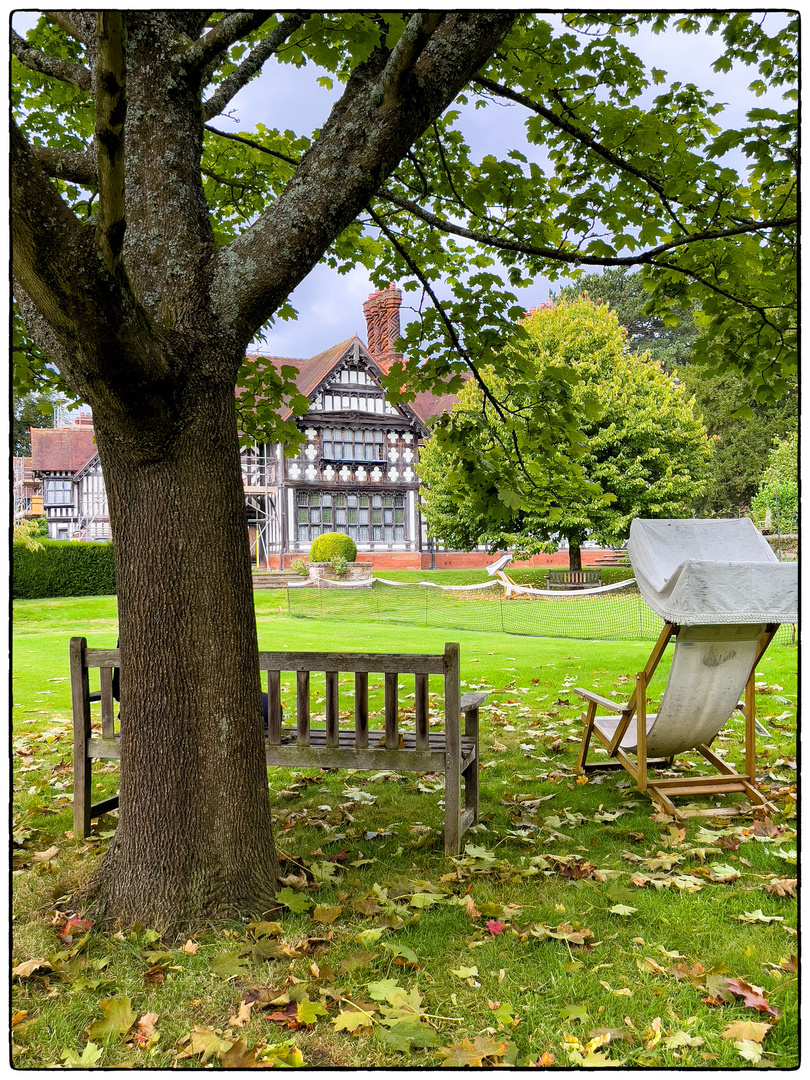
[659,929]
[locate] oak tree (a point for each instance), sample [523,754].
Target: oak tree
[150,245]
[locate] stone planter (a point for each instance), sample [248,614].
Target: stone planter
[356,571]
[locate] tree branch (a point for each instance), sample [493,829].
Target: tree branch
[74,166]
[41,62]
[359,146]
[404,55]
[234,82]
[66,22]
[616,160]
[252,144]
[222,35]
[450,328]
[53,257]
[575,257]
[110,115]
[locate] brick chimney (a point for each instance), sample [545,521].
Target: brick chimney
[382,319]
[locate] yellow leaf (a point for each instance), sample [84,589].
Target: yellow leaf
[326,915]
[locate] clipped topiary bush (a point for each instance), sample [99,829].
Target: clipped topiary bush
[328,545]
[62,568]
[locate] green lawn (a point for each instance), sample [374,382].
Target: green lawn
[578,926]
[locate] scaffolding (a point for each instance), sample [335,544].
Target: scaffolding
[27,500]
[92,514]
[260,480]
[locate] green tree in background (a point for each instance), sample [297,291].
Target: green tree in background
[623,291]
[635,448]
[31,410]
[776,504]
[742,427]
[743,430]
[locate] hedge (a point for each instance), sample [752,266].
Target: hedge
[62,568]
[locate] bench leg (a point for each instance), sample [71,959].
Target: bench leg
[82,764]
[452,808]
[470,774]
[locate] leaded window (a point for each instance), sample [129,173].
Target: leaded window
[365,516]
[353,444]
[59,492]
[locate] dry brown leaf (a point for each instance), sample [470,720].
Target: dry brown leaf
[471,910]
[746,1030]
[242,1016]
[28,967]
[783,887]
[190,947]
[44,856]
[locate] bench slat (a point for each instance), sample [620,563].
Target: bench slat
[107,717]
[273,706]
[331,708]
[350,662]
[361,709]
[421,710]
[302,706]
[391,710]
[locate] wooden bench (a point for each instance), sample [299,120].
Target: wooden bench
[574,579]
[450,751]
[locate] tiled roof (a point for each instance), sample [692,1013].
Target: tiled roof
[311,373]
[61,449]
[427,405]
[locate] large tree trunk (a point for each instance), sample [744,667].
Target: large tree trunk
[574,552]
[198,840]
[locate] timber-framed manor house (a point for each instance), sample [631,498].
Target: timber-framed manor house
[355,473]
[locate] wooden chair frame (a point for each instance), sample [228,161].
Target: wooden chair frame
[663,789]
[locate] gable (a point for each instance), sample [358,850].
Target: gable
[353,385]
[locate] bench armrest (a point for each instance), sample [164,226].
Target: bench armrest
[472,701]
[606,703]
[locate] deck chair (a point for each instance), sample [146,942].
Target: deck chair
[510,585]
[714,660]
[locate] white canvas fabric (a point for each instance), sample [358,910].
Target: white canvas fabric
[698,573]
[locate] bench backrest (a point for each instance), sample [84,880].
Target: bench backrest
[421,666]
[391,666]
[574,577]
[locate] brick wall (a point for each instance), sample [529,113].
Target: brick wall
[453,560]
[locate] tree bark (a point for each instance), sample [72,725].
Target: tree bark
[574,552]
[194,835]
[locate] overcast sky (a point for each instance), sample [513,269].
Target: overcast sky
[329,304]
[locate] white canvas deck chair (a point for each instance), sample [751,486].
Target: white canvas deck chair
[722,594]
